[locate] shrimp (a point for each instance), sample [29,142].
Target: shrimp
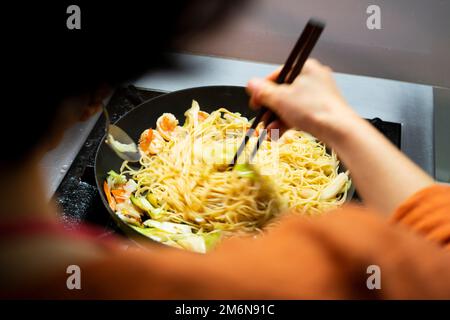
[202,116]
[151,142]
[166,125]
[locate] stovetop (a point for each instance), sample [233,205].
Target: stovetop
[77,196]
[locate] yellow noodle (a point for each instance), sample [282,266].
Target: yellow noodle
[204,194]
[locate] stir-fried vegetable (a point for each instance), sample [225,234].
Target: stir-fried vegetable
[335,187]
[129,208]
[212,239]
[143,204]
[179,235]
[119,195]
[114,179]
[109,197]
[121,147]
[185,195]
[245,170]
[170,227]
[193,242]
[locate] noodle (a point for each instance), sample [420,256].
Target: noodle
[183,173]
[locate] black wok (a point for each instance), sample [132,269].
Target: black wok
[145,115]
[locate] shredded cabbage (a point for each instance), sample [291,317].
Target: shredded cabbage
[178,235]
[114,179]
[121,147]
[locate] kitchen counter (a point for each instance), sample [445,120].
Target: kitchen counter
[405,103]
[57,162]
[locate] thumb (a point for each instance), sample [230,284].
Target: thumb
[263,92]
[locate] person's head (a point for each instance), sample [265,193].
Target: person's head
[57,73]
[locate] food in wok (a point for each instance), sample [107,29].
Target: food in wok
[185,195]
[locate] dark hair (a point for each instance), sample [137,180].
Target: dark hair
[117,41]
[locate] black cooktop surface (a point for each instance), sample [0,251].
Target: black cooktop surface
[77,195]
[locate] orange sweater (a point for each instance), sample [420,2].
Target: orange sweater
[325,257]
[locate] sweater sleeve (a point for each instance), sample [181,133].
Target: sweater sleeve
[319,258]
[427,213]
[323,257]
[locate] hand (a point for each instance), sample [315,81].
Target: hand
[95,102]
[383,176]
[311,103]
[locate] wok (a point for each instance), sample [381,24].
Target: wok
[144,116]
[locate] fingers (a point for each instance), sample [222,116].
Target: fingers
[271,77]
[274,75]
[264,92]
[311,65]
[289,101]
[252,87]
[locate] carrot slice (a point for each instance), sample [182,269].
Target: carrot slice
[111,201]
[119,195]
[202,116]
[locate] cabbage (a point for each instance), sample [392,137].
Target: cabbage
[121,147]
[170,227]
[192,115]
[152,233]
[115,179]
[245,170]
[143,204]
[130,186]
[179,235]
[211,239]
[193,242]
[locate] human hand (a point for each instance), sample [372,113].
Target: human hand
[311,103]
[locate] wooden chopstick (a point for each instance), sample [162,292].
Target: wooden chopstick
[288,73]
[296,70]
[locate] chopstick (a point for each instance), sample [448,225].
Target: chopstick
[291,69]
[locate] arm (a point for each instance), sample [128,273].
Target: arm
[383,175]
